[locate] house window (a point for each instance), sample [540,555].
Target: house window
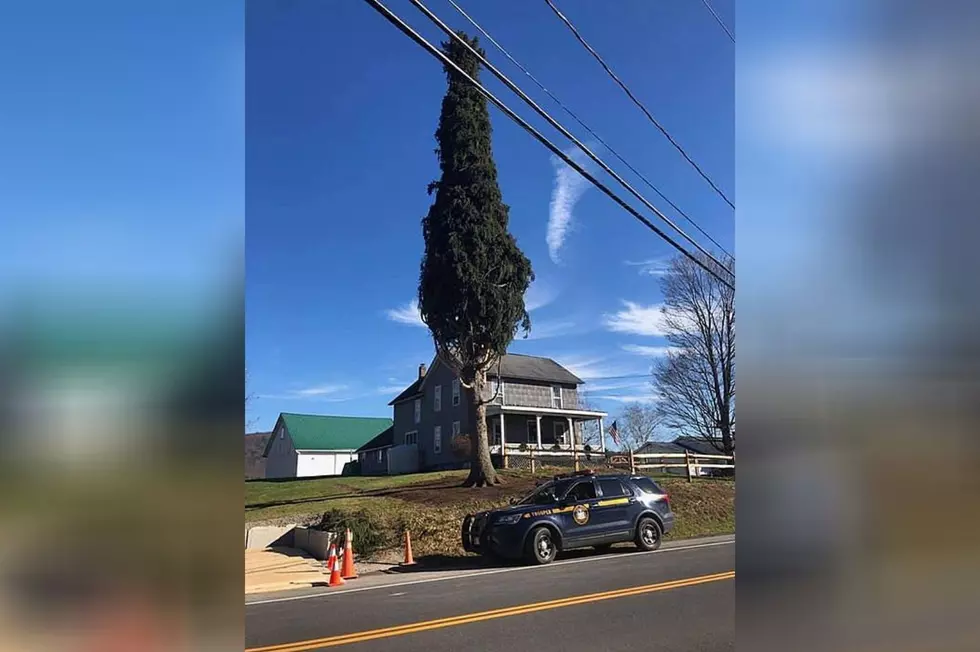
[456,392]
[412,437]
[532,431]
[560,427]
[556,397]
[379,455]
[418,410]
[496,432]
[437,440]
[455,428]
[437,399]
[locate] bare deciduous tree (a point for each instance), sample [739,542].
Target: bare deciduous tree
[637,425]
[696,381]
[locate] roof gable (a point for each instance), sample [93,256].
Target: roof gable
[313,432]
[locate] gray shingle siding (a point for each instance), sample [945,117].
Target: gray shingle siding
[529,394]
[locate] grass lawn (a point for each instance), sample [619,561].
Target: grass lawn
[432,505]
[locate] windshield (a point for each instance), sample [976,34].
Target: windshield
[546,494]
[543,495]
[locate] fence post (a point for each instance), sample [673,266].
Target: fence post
[503,452]
[687,460]
[530,450]
[632,464]
[575,454]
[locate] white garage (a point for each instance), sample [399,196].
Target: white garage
[311,445]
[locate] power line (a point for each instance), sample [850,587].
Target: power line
[586,127]
[557,125]
[637,102]
[431,49]
[717,18]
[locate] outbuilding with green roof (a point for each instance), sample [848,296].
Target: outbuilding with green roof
[310,445]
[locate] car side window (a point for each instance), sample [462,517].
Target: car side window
[647,486]
[584,490]
[612,488]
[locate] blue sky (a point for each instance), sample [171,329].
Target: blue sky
[341,111]
[123,143]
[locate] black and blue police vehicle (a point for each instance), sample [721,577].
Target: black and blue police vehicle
[576,510]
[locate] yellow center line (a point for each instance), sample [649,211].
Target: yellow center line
[411,628]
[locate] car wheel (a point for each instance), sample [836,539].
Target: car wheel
[603,549]
[541,546]
[648,534]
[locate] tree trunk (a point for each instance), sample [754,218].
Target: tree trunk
[482,473]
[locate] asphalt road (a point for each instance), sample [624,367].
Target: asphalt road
[674,599]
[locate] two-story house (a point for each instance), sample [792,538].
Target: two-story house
[534,402]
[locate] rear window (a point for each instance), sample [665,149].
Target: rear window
[648,486]
[612,488]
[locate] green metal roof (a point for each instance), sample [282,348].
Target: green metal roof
[312,432]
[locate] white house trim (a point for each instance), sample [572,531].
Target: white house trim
[516,409]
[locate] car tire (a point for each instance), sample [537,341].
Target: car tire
[603,549]
[648,534]
[541,547]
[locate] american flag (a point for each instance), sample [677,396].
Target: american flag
[614,433]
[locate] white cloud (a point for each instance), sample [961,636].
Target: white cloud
[596,368]
[652,267]
[631,398]
[407,314]
[649,351]
[539,295]
[568,188]
[545,329]
[323,392]
[636,319]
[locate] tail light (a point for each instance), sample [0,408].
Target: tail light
[667,498]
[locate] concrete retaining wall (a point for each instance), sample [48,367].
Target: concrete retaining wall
[267,536]
[313,542]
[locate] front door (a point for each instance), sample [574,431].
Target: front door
[577,516]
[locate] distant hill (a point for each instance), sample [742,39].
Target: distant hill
[254,462]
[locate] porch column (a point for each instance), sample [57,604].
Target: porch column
[503,440]
[602,437]
[571,431]
[538,428]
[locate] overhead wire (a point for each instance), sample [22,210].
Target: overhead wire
[718,19]
[637,102]
[582,123]
[557,125]
[438,54]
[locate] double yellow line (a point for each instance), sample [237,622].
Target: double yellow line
[412,628]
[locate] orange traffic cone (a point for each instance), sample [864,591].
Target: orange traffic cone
[335,578]
[347,570]
[409,560]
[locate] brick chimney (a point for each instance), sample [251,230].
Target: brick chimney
[421,371]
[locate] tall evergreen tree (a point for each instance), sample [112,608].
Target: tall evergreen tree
[473,275]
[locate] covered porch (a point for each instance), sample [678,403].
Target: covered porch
[510,426]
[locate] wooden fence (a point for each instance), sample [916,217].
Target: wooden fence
[533,458]
[691,462]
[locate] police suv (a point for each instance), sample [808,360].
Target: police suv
[576,510]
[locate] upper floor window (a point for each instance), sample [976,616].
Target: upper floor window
[556,397]
[418,410]
[456,391]
[437,399]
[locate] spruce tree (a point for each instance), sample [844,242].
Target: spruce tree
[473,275]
